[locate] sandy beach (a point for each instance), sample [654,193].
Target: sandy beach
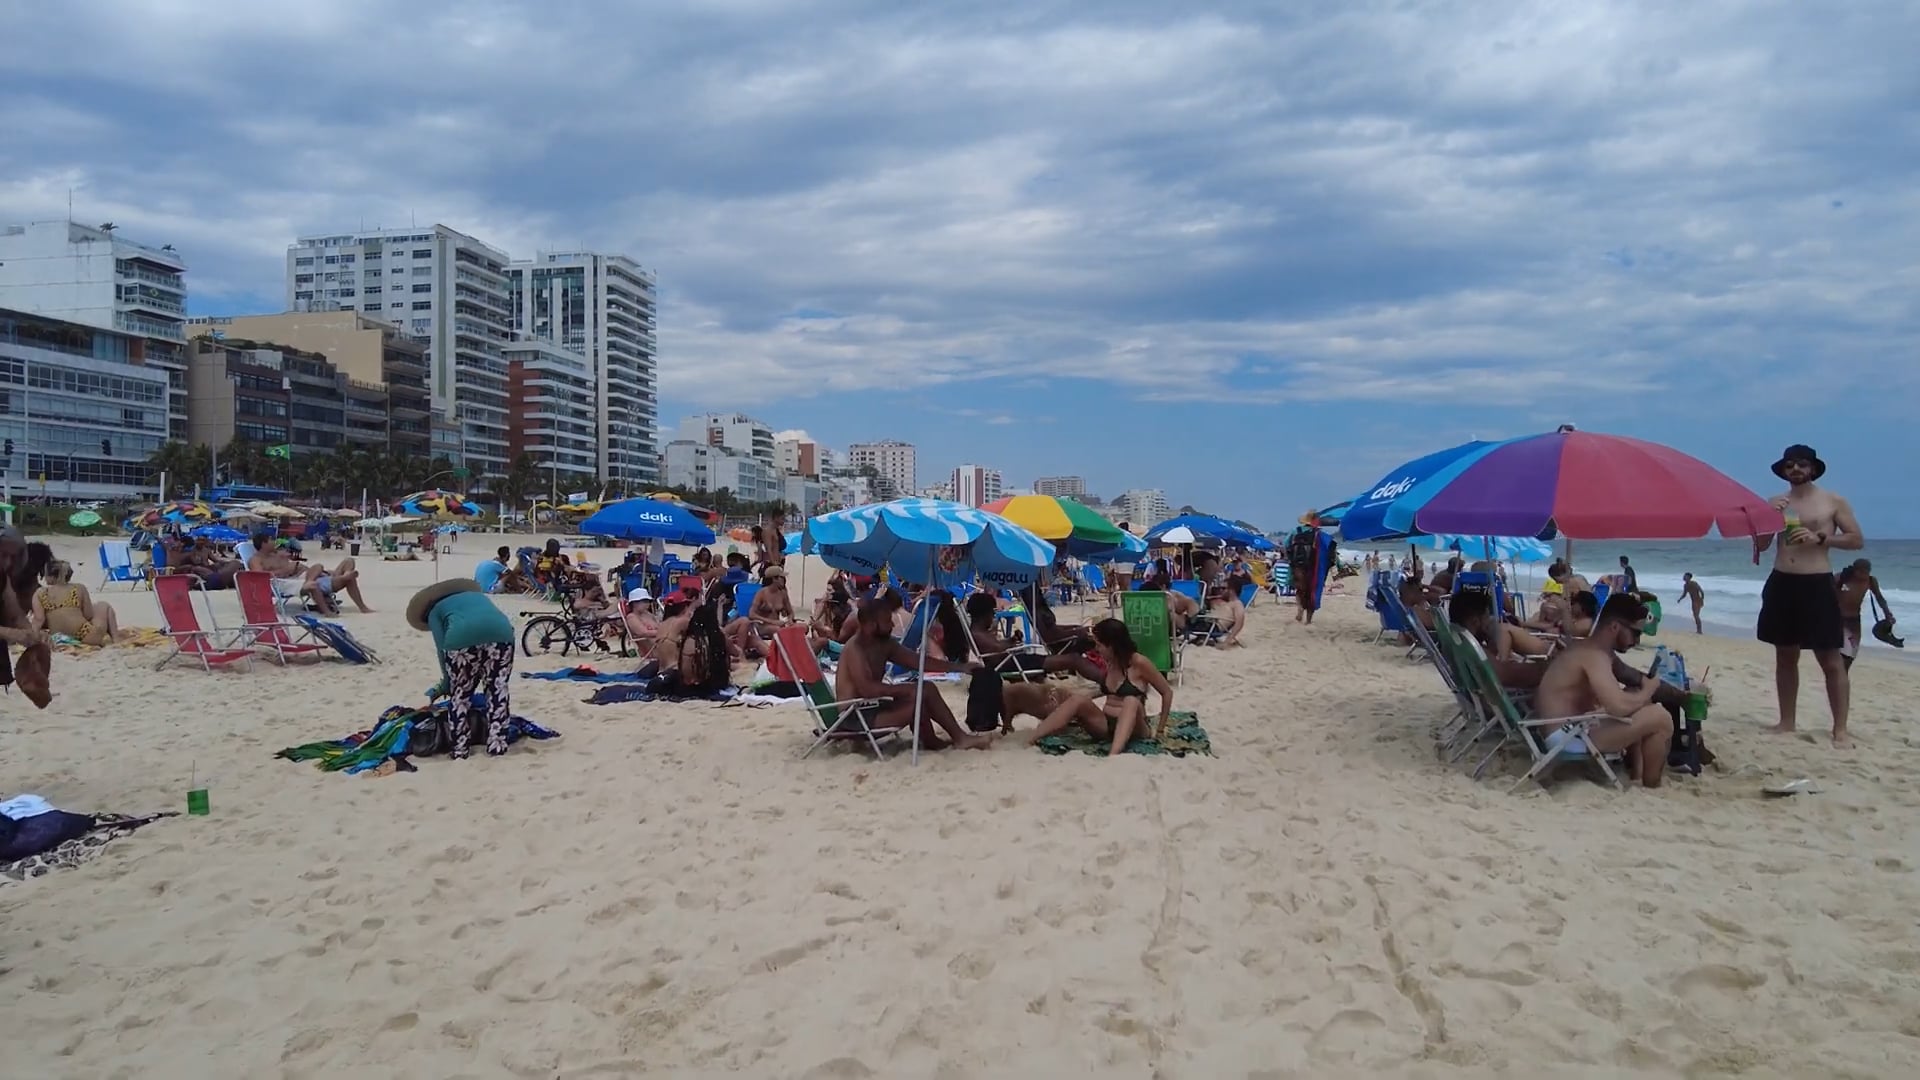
[669,890]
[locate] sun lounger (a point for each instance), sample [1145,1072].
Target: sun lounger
[263,623]
[182,623]
[833,721]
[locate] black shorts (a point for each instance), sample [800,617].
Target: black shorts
[1801,611]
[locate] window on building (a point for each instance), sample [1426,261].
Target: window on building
[331,259]
[421,305]
[373,290]
[424,288]
[421,326]
[303,279]
[423,253]
[374,308]
[398,270]
[346,292]
[346,258]
[422,271]
[304,260]
[303,294]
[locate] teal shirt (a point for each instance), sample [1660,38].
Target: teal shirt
[464,620]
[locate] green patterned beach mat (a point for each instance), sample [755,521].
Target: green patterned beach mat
[1183,736]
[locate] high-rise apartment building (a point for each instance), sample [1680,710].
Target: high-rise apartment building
[1061,487]
[443,287]
[602,307]
[975,485]
[892,461]
[800,457]
[1144,507]
[368,350]
[80,407]
[93,277]
[551,390]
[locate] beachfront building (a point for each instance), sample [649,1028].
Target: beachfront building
[552,413]
[602,307]
[1144,508]
[94,277]
[975,485]
[379,361]
[809,495]
[447,290]
[271,395]
[80,407]
[799,457]
[892,461]
[698,466]
[942,490]
[1061,487]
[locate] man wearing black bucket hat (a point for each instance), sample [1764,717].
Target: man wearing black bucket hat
[1800,605]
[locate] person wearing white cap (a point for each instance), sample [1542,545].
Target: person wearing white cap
[643,625]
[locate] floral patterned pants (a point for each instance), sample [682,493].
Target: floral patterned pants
[480,669]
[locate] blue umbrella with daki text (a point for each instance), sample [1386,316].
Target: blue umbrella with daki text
[647,519]
[1365,518]
[217,533]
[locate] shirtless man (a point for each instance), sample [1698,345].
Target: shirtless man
[1855,584]
[1691,592]
[1581,679]
[314,581]
[1224,605]
[1799,605]
[864,660]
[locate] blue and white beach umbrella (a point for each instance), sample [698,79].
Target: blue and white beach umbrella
[1524,549]
[930,542]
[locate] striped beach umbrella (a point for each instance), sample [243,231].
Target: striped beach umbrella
[1068,525]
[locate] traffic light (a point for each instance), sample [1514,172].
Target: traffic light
[106,447]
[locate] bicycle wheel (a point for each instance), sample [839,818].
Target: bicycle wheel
[546,634]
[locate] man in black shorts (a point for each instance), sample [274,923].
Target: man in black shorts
[1800,605]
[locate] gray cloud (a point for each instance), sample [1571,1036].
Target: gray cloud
[1348,201]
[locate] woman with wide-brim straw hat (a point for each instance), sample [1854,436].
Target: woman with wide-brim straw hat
[475,642]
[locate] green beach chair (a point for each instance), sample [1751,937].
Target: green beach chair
[1151,625]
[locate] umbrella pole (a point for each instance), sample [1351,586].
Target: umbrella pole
[920,684]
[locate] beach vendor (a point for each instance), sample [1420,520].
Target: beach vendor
[475,642]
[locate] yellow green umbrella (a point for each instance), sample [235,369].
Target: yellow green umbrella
[1069,525]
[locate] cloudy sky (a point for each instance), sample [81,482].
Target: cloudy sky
[1253,259]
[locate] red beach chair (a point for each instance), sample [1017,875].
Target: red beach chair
[182,624]
[263,626]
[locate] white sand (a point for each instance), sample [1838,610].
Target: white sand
[670,890]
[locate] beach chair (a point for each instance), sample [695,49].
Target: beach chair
[174,592]
[264,622]
[1247,594]
[1151,624]
[833,721]
[1569,743]
[743,593]
[1094,578]
[1451,739]
[116,561]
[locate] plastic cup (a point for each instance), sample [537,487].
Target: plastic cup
[1695,706]
[197,802]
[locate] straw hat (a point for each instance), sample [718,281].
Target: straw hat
[424,600]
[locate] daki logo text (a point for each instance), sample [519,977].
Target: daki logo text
[1394,490]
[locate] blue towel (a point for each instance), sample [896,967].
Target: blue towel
[584,675]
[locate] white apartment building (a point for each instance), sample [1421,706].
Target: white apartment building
[1144,508]
[893,461]
[80,408]
[942,490]
[601,306]
[736,432]
[1061,487]
[91,276]
[697,466]
[975,485]
[445,288]
[549,387]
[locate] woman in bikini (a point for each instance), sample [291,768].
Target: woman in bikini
[63,607]
[1118,708]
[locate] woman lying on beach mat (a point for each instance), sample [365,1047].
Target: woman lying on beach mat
[1121,708]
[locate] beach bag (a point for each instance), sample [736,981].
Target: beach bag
[42,833]
[1883,626]
[985,697]
[430,734]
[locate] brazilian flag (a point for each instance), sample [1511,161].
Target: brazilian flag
[284,451]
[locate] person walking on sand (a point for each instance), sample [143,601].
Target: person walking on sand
[475,642]
[1800,604]
[1632,581]
[1691,592]
[1855,583]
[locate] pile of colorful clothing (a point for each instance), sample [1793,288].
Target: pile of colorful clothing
[393,739]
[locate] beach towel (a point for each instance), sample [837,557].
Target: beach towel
[584,673]
[81,841]
[1183,736]
[618,695]
[390,738]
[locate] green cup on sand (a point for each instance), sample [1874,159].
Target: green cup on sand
[1695,707]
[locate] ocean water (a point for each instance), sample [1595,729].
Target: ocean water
[1725,571]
